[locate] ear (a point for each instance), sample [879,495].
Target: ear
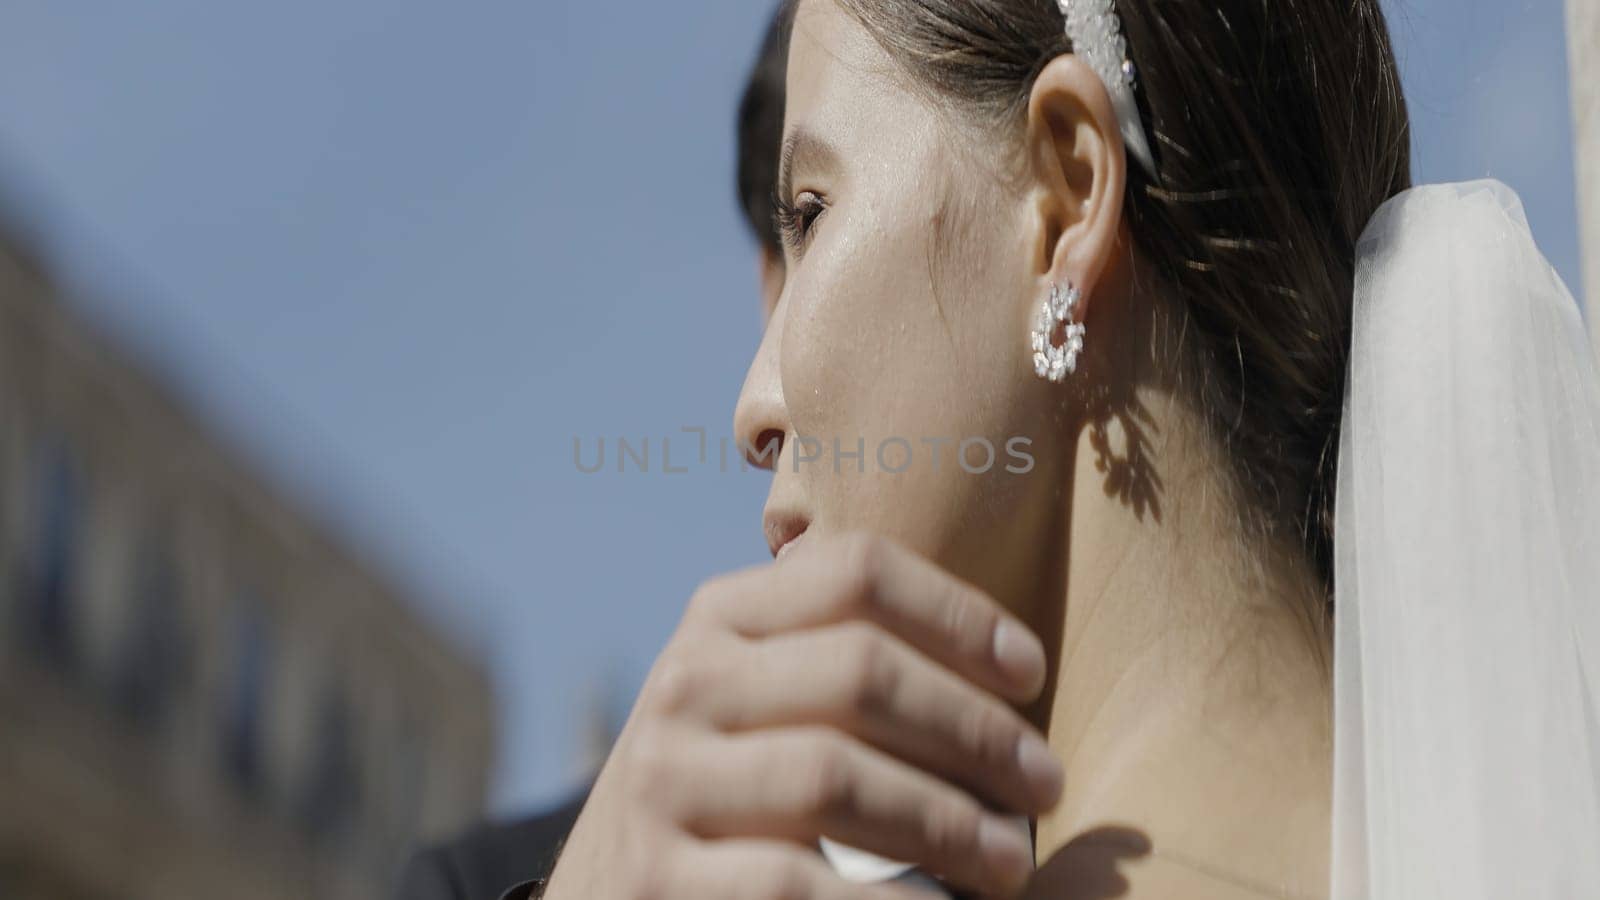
[1079,167]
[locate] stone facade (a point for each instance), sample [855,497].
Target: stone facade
[202,694]
[1583,56]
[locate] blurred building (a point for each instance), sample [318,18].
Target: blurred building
[1583,57]
[202,694]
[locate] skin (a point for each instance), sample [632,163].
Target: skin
[862,685]
[769,272]
[742,749]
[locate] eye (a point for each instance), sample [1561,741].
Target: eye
[796,219]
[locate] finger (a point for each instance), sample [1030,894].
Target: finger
[831,580]
[804,783]
[769,870]
[865,682]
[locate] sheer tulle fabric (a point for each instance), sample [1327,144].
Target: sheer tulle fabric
[1467,616]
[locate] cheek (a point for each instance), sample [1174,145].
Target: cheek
[868,346]
[901,351]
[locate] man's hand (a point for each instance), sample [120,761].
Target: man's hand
[851,689]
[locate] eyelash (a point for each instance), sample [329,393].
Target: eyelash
[796,219]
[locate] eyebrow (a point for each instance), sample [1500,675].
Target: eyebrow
[802,150]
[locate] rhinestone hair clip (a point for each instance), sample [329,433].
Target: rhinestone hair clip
[1096,35]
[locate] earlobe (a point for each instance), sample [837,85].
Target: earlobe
[1080,167]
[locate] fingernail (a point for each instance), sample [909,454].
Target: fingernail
[1006,849]
[1040,767]
[1019,654]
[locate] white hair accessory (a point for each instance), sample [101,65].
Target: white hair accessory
[1096,35]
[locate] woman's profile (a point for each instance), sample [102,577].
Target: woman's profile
[1149,461]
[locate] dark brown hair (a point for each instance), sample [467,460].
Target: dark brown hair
[760,131]
[1278,128]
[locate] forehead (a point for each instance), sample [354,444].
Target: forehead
[835,66]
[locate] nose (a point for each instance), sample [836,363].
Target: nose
[761,420]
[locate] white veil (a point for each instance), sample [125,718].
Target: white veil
[1467,548]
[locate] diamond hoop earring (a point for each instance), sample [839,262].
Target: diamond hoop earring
[1052,361]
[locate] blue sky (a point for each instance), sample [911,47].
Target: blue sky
[405,252]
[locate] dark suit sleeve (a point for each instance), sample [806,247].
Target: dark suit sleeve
[491,862]
[427,877]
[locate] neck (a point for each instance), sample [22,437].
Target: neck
[1188,700]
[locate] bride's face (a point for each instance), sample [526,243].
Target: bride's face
[902,330]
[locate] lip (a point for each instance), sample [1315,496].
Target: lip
[784,529]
